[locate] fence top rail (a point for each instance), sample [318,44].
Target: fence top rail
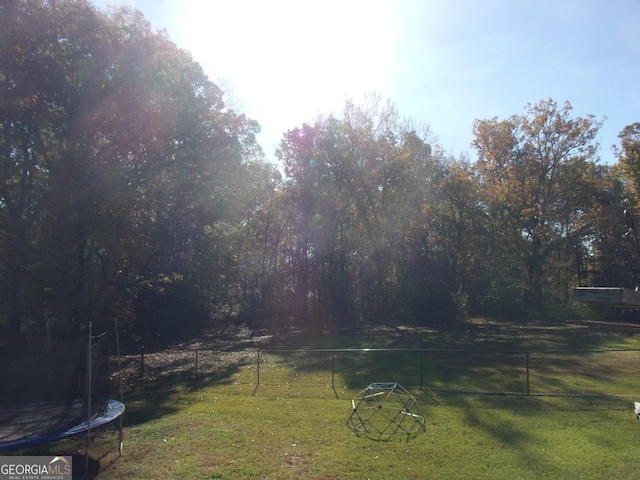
[440,350]
[425,350]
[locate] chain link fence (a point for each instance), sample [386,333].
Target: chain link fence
[602,373]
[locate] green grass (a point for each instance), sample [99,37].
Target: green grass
[225,432]
[294,425]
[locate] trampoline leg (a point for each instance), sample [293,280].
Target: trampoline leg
[120,442]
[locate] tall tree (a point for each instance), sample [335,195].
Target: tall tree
[629,157]
[535,173]
[620,262]
[117,153]
[358,188]
[456,220]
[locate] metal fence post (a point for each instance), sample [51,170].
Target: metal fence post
[142,361]
[333,371]
[258,369]
[196,363]
[421,368]
[528,391]
[333,368]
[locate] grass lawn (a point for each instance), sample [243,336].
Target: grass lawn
[223,429]
[225,432]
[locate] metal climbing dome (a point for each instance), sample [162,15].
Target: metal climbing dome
[384,409]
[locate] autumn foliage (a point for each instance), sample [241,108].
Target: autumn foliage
[131,191]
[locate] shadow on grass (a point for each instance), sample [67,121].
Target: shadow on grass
[157,394]
[487,357]
[482,358]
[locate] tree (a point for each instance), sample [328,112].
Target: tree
[456,221]
[117,154]
[358,187]
[537,174]
[616,256]
[629,157]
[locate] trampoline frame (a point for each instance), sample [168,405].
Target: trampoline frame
[111,410]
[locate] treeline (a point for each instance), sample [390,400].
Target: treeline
[130,191]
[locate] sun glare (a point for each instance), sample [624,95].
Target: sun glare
[291,59]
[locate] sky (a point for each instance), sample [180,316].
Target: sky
[443,63]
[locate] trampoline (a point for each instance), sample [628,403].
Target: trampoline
[22,427]
[55,390]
